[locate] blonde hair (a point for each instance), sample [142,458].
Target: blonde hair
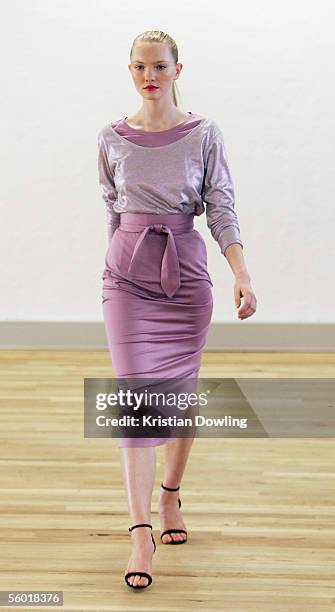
[161,37]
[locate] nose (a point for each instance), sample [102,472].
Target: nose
[148,73]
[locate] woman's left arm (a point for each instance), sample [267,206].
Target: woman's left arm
[242,286]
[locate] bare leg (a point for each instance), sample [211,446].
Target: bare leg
[176,455]
[139,467]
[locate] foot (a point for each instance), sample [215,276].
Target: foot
[141,555]
[170,516]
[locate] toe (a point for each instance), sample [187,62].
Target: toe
[173,537]
[167,538]
[141,581]
[144,581]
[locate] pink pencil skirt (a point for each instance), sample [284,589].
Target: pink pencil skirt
[157,300]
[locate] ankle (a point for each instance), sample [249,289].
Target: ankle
[168,498]
[147,544]
[142,539]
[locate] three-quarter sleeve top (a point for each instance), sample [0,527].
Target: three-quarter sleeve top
[170,171]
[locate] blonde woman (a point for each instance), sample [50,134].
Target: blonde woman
[156,168]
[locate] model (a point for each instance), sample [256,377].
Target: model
[156,169]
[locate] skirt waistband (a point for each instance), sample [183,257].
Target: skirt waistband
[169,224]
[177,223]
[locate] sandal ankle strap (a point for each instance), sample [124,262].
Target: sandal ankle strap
[140,525]
[169,488]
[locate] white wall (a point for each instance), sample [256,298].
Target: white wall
[262,70]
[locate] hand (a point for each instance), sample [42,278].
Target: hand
[242,288]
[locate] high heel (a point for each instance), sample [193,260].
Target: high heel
[142,574]
[168,531]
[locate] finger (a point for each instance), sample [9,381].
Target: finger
[248,308]
[246,303]
[248,313]
[249,303]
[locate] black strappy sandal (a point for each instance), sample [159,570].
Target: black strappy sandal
[168,531]
[142,574]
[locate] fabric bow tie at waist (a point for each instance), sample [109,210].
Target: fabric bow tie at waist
[170,270]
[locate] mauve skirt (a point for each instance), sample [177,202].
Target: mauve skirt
[157,300]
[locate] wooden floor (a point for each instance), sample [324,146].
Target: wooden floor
[260,512]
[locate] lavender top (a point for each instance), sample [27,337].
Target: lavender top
[170,171]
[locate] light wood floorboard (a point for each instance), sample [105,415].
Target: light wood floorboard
[260,512]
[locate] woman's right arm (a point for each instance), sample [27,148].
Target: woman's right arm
[107,185]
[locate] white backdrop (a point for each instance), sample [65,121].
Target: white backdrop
[262,70]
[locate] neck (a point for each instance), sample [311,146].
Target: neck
[158,114]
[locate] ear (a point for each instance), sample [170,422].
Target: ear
[179,69]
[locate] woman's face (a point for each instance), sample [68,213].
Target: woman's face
[153,64]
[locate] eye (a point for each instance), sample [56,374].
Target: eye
[159,66]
